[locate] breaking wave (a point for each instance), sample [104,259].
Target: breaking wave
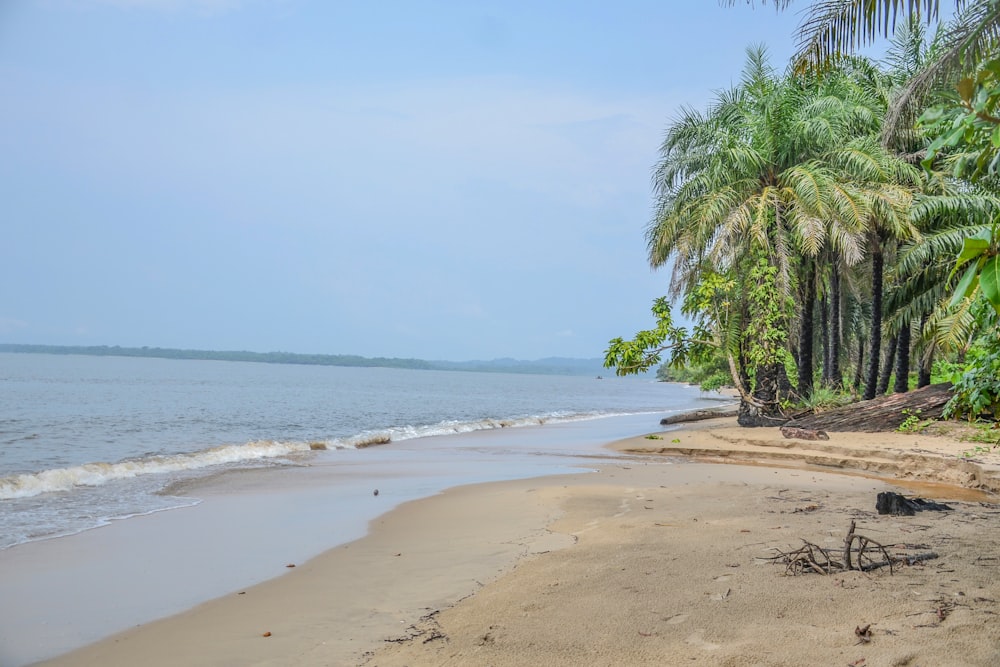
[96,474]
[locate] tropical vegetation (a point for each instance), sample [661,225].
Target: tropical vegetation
[832,225]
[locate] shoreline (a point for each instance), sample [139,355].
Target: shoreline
[905,458]
[72,591]
[453,577]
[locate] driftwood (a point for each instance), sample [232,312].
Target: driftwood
[859,553]
[803,433]
[698,415]
[885,413]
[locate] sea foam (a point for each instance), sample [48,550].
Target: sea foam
[95,474]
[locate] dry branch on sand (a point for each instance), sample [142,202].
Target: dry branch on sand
[859,553]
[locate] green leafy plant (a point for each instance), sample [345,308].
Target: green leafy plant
[968,127]
[976,393]
[912,423]
[969,453]
[653,436]
[986,433]
[825,398]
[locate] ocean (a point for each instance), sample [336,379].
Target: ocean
[135,488]
[89,440]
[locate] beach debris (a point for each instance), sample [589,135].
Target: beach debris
[864,634]
[857,663]
[884,413]
[375,493]
[266,634]
[803,433]
[859,553]
[375,439]
[699,415]
[722,596]
[290,565]
[888,502]
[807,508]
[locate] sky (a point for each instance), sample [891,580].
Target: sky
[439,179]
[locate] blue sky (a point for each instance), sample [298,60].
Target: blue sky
[442,180]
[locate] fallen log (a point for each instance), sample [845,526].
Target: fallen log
[884,413]
[698,415]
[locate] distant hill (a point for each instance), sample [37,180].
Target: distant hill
[547,366]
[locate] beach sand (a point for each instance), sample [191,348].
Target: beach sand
[649,561]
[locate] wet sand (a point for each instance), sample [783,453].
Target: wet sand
[648,561]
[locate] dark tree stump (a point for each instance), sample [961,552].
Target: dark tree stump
[751,416]
[888,502]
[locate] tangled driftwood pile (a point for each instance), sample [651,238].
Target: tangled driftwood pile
[859,553]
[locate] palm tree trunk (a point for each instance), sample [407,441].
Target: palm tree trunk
[825,337]
[805,379]
[762,407]
[887,363]
[876,329]
[902,383]
[858,371]
[926,360]
[836,378]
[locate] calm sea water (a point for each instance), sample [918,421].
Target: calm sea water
[85,440]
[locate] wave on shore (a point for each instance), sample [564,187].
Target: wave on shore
[55,480]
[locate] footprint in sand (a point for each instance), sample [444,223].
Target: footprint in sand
[623,508]
[676,619]
[697,641]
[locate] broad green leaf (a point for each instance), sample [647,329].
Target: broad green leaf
[972,247]
[995,138]
[932,114]
[984,234]
[965,88]
[953,137]
[989,281]
[966,285]
[992,66]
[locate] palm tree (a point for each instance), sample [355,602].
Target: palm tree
[769,172]
[832,28]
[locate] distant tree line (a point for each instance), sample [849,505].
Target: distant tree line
[550,366]
[221,355]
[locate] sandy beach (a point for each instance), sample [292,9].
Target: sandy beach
[651,560]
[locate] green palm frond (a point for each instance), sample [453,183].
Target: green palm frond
[937,248]
[977,207]
[832,27]
[953,329]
